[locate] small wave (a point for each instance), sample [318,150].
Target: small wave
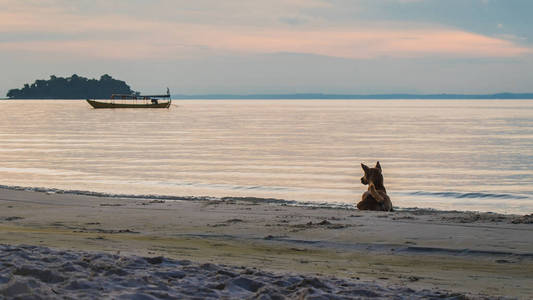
[182,198]
[459,195]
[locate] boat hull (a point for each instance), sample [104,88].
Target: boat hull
[99,104]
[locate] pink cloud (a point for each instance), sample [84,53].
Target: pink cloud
[133,38]
[371,43]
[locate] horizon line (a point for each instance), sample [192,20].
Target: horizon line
[266,96]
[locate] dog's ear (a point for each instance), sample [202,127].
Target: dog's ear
[378,166]
[365,168]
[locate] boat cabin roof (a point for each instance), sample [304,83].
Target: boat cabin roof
[129,96]
[155,96]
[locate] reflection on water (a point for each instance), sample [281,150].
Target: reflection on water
[433,153]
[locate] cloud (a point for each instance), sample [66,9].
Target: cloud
[169,29]
[370,43]
[116,36]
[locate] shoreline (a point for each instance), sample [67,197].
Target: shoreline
[459,252]
[276,201]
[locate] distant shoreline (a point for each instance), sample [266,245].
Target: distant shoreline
[358,96]
[318,96]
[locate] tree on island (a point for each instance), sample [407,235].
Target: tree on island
[73,87]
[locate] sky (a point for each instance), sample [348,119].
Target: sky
[274,46]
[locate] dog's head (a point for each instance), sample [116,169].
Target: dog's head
[372,175]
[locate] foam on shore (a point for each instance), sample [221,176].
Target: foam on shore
[242,199]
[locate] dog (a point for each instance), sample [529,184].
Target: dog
[376,197]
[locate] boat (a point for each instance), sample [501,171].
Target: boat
[133,101]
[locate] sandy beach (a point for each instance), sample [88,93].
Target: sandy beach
[289,149]
[416,252]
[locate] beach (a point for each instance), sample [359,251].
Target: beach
[326,250]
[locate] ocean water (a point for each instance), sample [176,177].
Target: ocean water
[460,154]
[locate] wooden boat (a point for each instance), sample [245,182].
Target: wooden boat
[133,101]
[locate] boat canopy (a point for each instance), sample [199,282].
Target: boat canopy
[134,97]
[139,97]
[155,96]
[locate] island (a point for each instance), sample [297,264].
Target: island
[73,87]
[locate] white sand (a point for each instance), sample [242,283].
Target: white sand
[412,253]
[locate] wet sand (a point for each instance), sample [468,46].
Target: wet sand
[408,251]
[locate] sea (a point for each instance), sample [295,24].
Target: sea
[474,155]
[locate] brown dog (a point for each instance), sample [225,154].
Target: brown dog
[376,197]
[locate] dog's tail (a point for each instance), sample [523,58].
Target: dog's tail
[375,193]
